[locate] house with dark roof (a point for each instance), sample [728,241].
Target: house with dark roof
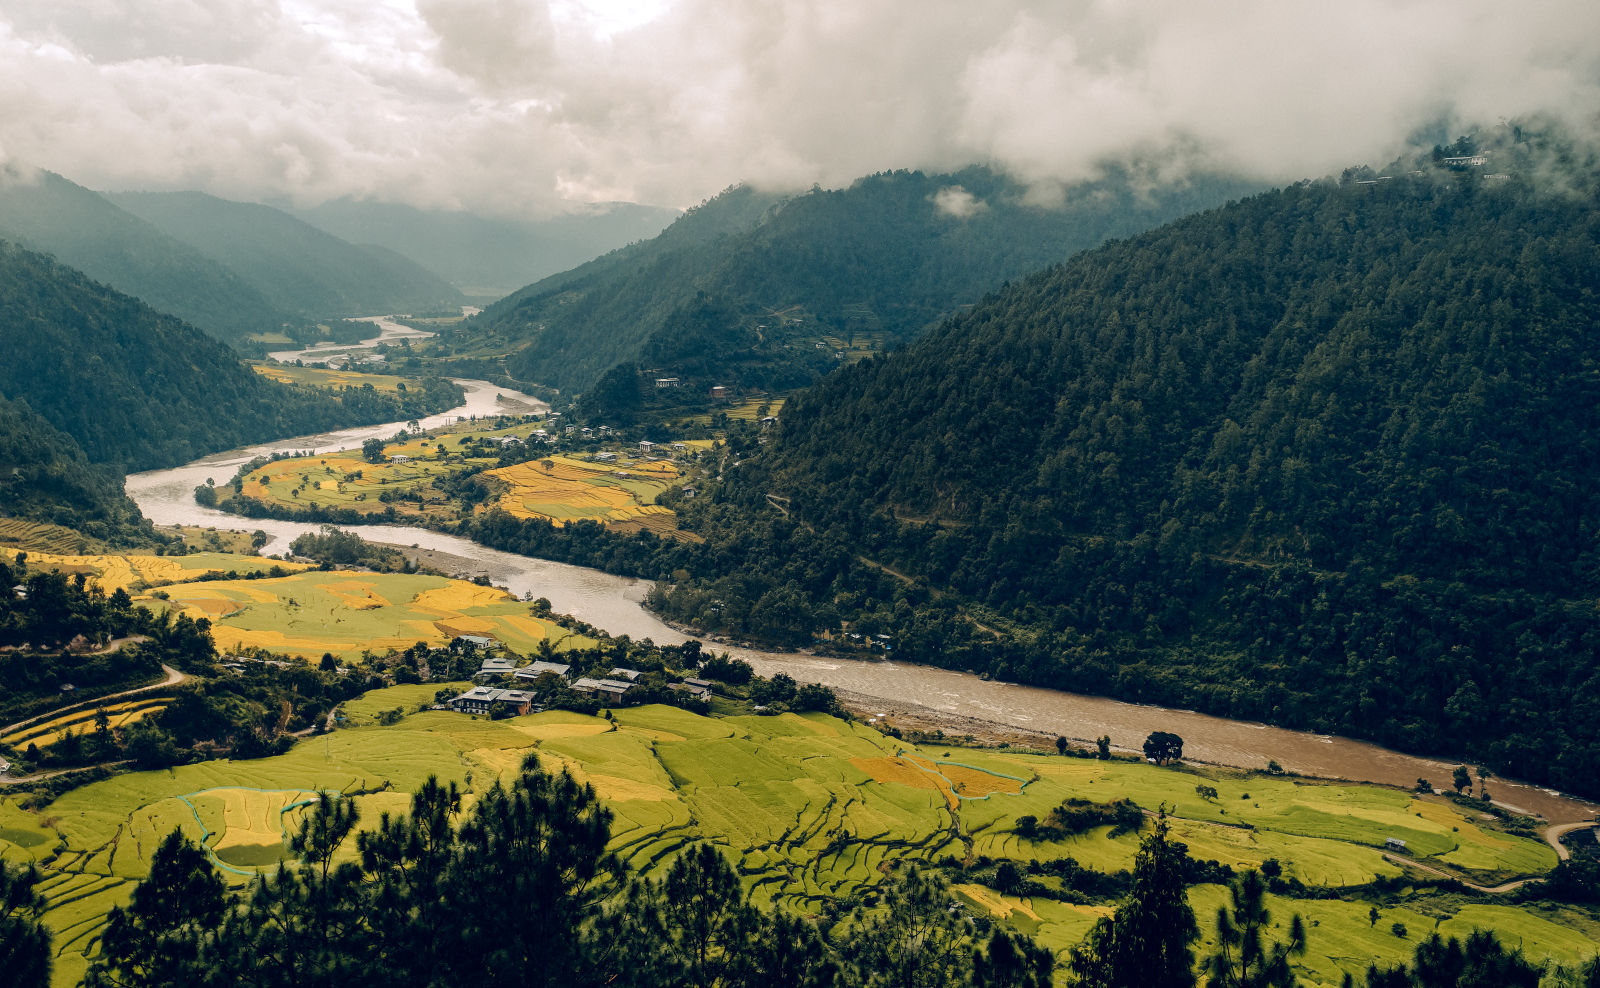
[539,667]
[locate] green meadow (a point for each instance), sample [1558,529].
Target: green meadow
[808,808]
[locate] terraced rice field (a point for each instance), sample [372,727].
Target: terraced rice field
[135,572]
[49,732]
[571,489]
[32,536]
[347,613]
[809,808]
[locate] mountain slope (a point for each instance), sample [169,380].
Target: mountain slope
[484,257]
[43,211]
[141,389]
[1324,457]
[295,266]
[770,289]
[45,477]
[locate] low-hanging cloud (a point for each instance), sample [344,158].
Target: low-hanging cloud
[518,105]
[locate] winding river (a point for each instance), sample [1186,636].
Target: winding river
[614,603]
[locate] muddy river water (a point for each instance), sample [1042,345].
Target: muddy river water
[614,603]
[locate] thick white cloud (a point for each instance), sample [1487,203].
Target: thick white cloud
[514,105]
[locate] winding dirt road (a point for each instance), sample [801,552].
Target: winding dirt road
[173,678]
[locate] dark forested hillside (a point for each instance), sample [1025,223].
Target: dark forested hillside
[1324,457]
[45,477]
[295,266]
[760,291]
[43,211]
[140,389]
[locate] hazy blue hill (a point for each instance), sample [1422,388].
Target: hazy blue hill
[742,289]
[43,211]
[488,257]
[141,389]
[295,266]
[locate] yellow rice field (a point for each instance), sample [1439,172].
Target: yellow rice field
[572,489]
[135,572]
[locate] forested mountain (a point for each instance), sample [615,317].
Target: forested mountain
[43,211]
[141,389]
[1324,457]
[45,477]
[490,257]
[298,268]
[763,291]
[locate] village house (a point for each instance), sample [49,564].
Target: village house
[701,693]
[631,675]
[484,699]
[769,421]
[539,667]
[646,447]
[605,457]
[719,392]
[399,458]
[602,689]
[498,666]
[667,382]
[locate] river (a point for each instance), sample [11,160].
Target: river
[614,603]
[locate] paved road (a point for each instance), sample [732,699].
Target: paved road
[1553,835]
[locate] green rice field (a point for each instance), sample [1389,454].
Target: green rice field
[809,808]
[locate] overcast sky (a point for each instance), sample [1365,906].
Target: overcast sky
[517,105]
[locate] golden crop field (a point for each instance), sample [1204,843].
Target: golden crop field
[138,572]
[570,489]
[325,377]
[810,808]
[347,613]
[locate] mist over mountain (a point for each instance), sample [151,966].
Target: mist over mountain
[298,268]
[489,257]
[761,290]
[45,212]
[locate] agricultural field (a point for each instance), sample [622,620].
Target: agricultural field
[808,808]
[347,613]
[326,377]
[134,573]
[568,489]
[565,488]
[46,733]
[32,536]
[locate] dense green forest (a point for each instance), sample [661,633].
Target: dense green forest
[45,477]
[742,290]
[296,267]
[1323,457]
[45,212]
[140,389]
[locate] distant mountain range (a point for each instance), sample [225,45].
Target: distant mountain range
[758,290]
[489,257]
[45,212]
[296,267]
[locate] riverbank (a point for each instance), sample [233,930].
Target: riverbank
[615,604]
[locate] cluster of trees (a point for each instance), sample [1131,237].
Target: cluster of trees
[335,547]
[519,890]
[1075,816]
